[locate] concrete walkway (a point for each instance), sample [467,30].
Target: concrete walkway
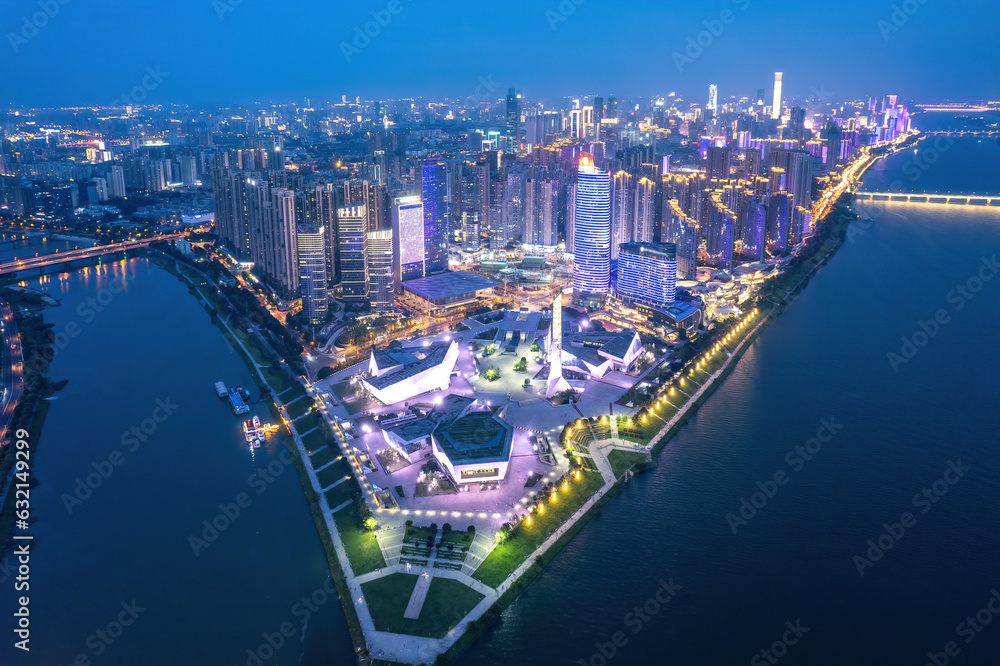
[416,602]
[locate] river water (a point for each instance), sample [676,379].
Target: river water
[115,509]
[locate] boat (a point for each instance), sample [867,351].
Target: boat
[256,422]
[260,435]
[220,390]
[236,402]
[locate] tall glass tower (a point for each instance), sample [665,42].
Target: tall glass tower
[591,234]
[312,255]
[434,190]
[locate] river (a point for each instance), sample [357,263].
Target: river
[139,351]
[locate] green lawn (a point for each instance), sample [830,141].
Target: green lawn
[298,408]
[641,432]
[324,456]
[281,381]
[503,559]
[418,533]
[308,422]
[447,602]
[338,495]
[317,439]
[458,538]
[333,473]
[622,460]
[361,545]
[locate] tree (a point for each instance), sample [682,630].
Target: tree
[522,365]
[370,523]
[472,529]
[446,528]
[527,382]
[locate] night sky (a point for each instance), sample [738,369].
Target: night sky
[91,51]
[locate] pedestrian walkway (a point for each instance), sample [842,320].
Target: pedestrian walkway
[416,602]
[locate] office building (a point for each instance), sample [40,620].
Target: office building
[408,238]
[381,289]
[434,190]
[592,234]
[312,260]
[776,106]
[647,272]
[352,238]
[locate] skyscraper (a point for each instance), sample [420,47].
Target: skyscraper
[720,160]
[713,98]
[273,244]
[434,188]
[408,239]
[592,234]
[312,258]
[513,120]
[541,211]
[647,272]
[776,107]
[381,293]
[352,236]
[833,140]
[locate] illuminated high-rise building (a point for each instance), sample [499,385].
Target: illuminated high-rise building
[720,163]
[408,239]
[434,188]
[776,107]
[592,234]
[381,291]
[352,238]
[312,259]
[713,98]
[647,273]
[513,120]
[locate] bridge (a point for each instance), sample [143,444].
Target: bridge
[970,133]
[46,260]
[952,199]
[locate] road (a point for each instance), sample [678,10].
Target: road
[12,371]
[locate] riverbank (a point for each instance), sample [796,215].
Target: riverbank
[266,370]
[32,405]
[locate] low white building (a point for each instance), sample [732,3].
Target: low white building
[398,375]
[471,441]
